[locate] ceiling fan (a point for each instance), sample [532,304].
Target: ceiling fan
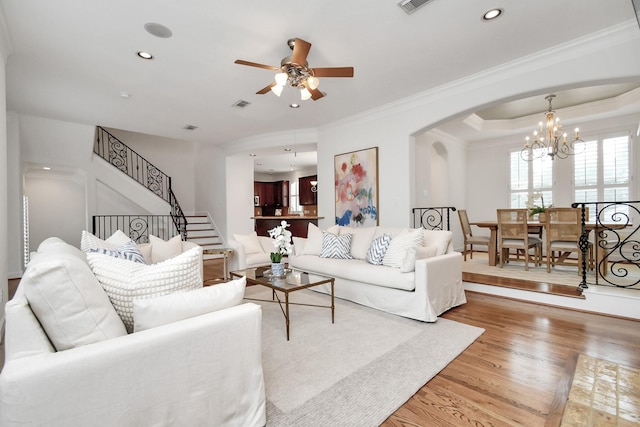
[295,71]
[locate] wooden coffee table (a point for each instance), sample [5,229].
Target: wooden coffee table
[294,280]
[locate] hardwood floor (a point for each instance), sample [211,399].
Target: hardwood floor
[519,371]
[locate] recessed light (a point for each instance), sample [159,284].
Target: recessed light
[144,55]
[125,95]
[287,149]
[252,154]
[294,105]
[47,168]
[492,14]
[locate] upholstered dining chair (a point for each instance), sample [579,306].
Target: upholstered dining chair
[469,238]
[563,230]
[513,233]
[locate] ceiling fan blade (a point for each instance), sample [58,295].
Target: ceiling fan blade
[265,89]
[333,72]
[300,52]
[315,93]
[255,64]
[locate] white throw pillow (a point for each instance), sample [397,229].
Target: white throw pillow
[67,299]
[124,281]
[313,245]
[149,313]
[334,246]
[439,239]
[89,241]
[397,251]
[377,249]
[415,253]
[145,250]
[361,240]
[161,250]
[250,242]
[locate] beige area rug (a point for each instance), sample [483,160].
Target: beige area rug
[561,275]
[355,372]
[603,394]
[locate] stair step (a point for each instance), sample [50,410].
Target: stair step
[200,235]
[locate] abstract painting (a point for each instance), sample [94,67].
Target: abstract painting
[356,180]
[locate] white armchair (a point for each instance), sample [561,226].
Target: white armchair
[70,361]
[249,251]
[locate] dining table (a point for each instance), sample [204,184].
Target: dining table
[536,227]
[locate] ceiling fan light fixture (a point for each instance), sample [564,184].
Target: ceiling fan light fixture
[305,94]
[281,79]
[313,82]
[277,89]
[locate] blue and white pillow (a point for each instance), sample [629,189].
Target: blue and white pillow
[334,246]
[128,251]
[377,249]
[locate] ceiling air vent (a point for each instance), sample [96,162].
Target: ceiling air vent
[190,127]
[241,104]
[411,6]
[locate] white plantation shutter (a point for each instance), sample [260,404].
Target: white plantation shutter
[602,172]
[527,177]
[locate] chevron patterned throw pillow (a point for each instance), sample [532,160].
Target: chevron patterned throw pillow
[334,246]
[377,249]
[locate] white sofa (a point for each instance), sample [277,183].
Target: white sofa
[77,365]
[421,290]
[250,251]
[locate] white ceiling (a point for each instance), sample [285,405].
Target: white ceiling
[72,59]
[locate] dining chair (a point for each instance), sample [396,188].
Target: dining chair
[513,233]
[469,238]
[563,230]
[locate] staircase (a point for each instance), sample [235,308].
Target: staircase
[202,231]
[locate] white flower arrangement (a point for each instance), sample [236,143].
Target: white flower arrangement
[282,241]
[533,208]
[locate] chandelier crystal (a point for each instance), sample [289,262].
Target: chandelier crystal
[549,139]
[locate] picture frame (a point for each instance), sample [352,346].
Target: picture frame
[356,188]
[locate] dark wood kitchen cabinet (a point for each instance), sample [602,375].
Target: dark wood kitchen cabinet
[307,197]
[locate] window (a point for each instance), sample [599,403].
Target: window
[530,177]
[294,197]
[602,172]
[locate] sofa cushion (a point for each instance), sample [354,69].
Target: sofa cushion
[415,253]
[256,259]
[123,281]
[128,251]
[67,299]
[440,239]
[250,243]
[90,241]
[377,249]
[361,240]
[397,250]
[149,313]
[334,246]
[163,250]
[356,270]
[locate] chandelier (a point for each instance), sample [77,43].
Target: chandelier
[549,139]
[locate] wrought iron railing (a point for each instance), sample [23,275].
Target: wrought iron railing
[615,243]
[435,218]
[137,227]
[116,152]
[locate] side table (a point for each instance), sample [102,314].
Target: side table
[225,252]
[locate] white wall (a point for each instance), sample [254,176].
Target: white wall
[4,176]
[608,57]
[239,191]
[210,185]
